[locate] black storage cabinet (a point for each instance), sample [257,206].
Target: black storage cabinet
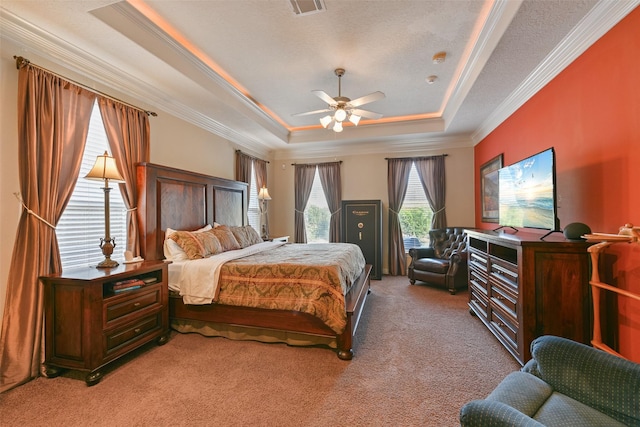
[362,225]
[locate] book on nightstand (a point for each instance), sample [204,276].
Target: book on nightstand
[126,285]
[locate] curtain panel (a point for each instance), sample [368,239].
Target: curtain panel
[397,182]
[53,122]
[302,190]
[128,133]
[331,181]
[244,164]
[431,172]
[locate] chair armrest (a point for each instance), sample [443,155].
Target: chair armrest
[603,381]
[482,413]
[417,253]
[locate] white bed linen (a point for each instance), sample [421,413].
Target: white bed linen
[193,278]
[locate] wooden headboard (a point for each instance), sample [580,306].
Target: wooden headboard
[183,200]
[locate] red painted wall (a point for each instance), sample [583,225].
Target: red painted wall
[590,114]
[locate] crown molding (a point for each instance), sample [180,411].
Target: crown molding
[95,71]
[133,24]
[415,143]
[498,20]
[602,17]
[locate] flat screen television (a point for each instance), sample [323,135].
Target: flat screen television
[527,193]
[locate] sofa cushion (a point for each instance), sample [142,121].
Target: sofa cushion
[434,265]
[522,391]
[562,411]
[581,372]
[483,413]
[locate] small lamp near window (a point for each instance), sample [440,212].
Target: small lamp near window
[105,169]
[263,196]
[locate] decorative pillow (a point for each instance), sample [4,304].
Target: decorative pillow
[197,245]
[226,238]
[246,235]
[173,251]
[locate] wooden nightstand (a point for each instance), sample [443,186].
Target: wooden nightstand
[88,325]
[284,239]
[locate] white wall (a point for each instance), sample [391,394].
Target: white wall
[9,206]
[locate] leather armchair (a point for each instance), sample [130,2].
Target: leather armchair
[444,262]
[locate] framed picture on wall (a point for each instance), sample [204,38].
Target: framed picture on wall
[489,189]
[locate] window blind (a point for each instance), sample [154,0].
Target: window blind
[82,224]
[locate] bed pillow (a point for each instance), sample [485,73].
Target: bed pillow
[172,250]
[226,238]
[246,235]
[197,245]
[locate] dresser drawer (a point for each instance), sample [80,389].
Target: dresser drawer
[506,300]
[130,333]
[506,327]
[130,302]
[479,303]
[505,274]
[478,260]
[478,279]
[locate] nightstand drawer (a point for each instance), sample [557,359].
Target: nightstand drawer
[131,302]
[131,333]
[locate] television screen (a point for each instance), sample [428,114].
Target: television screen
[527,192]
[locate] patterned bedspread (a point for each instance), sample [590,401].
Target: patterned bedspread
[310,278]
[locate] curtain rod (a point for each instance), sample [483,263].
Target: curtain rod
[252,157]
[21,62]
[315,164]
[415,158]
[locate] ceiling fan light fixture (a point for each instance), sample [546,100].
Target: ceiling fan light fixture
[355,119]
[337,127]
[326,121]
[340,115]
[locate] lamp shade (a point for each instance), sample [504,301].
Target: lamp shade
[354,118]
[340,115]
[263,194]
[105,168]
[325,121]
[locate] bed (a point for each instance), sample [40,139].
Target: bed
[183,200]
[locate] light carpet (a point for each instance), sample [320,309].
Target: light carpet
[419,356]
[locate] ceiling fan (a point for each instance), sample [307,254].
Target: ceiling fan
[342,107]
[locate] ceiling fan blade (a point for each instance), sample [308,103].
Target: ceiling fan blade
[366,99]
[365,113]
[325,97]
[308,113]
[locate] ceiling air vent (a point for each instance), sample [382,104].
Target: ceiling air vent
[306,7]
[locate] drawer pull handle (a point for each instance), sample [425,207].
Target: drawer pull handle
[136,330]
[500,298]
[136,304]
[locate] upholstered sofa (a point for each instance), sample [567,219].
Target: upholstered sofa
[565,384]
[444,262]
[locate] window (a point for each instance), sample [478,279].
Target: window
[317,214]
[82,224]
[253,212]
[415,214]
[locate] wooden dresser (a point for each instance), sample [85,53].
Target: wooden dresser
[88,324]
[522,287]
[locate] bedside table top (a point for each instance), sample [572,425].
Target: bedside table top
[93,273]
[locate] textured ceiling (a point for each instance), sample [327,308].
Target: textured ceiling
[243,68]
